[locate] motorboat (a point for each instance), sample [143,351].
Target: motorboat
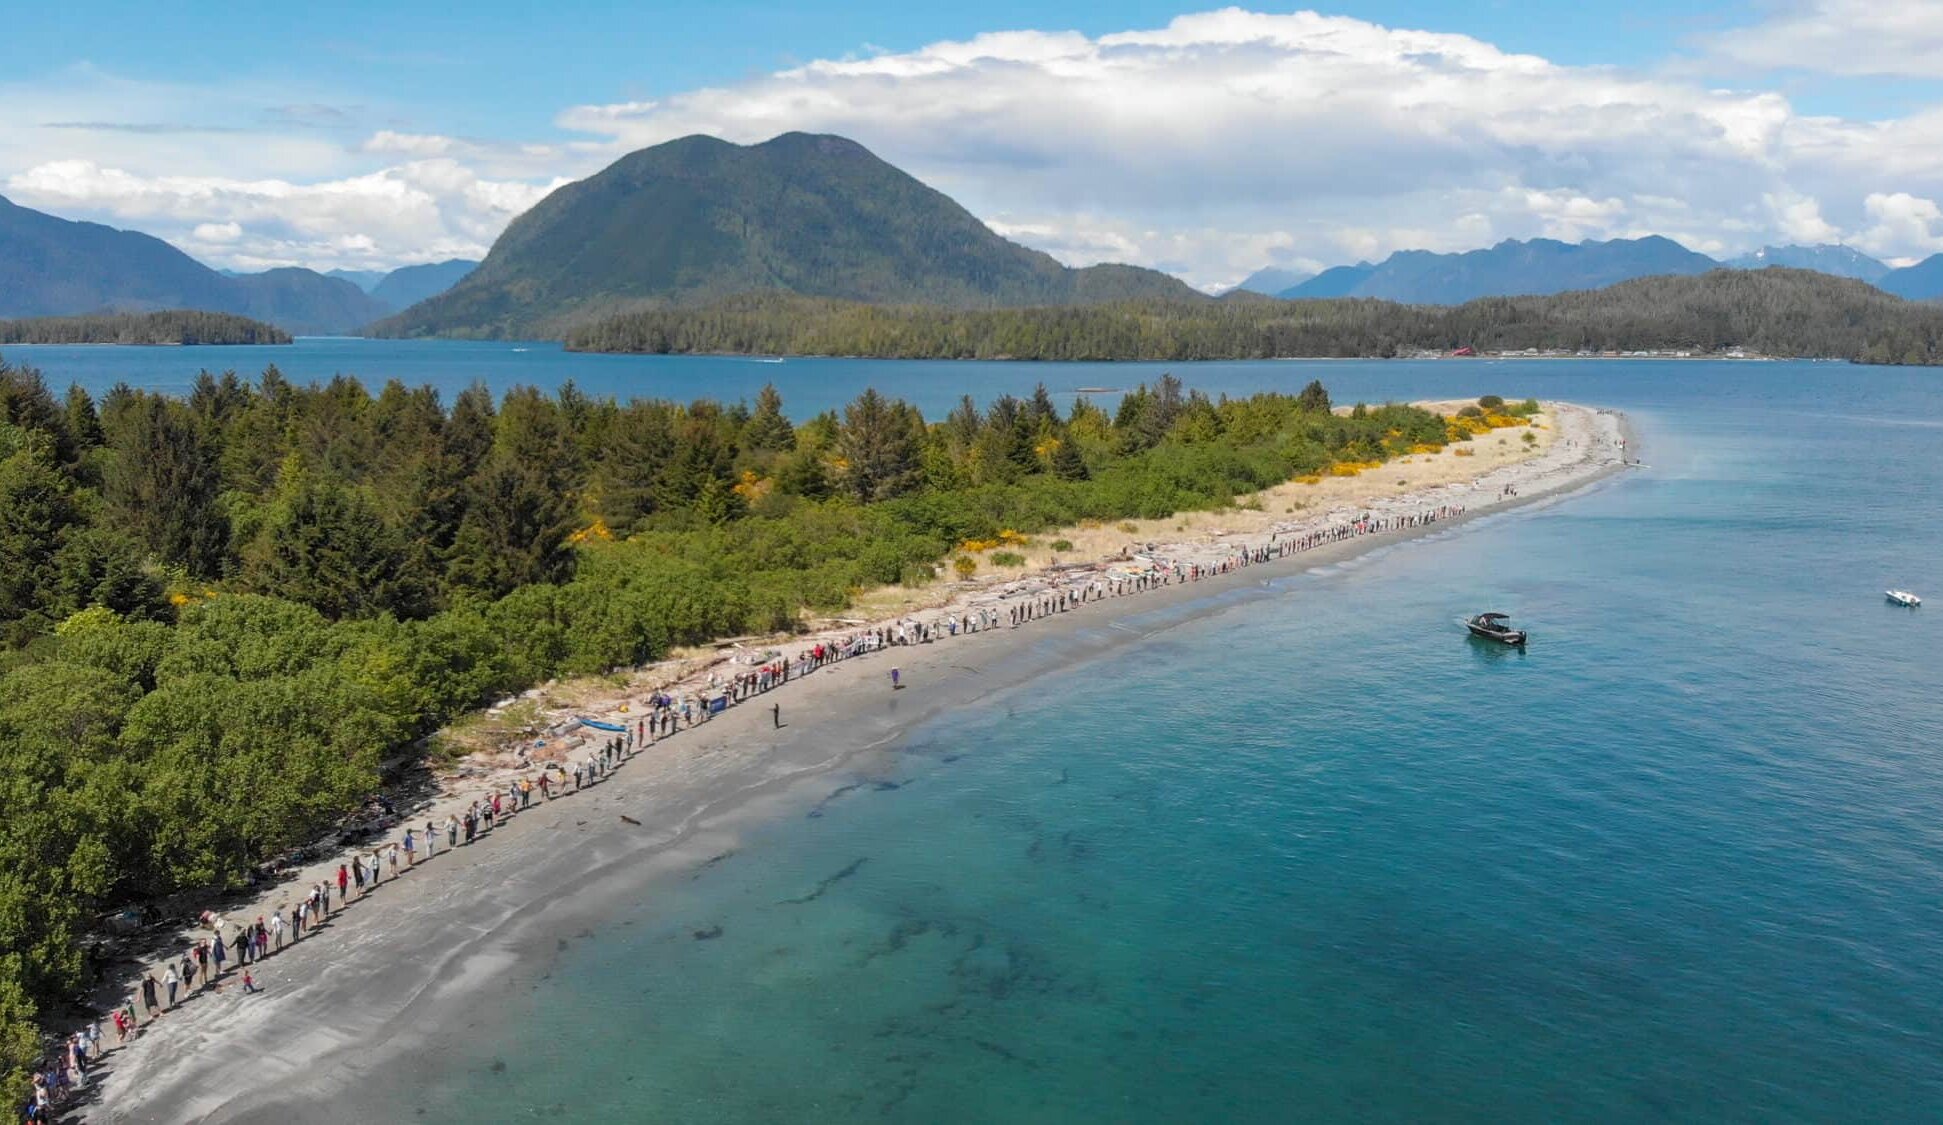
[1495,627]
[1904,597]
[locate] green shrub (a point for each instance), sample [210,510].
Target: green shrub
[1007,558]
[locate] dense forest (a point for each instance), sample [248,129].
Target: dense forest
[221,612]
[175,326]
[1776,312]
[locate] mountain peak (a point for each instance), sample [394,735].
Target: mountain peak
[699,218]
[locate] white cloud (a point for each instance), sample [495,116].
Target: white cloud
[1326,138]
[1799,218]
[1849,37]
[217,232]
[1902,224]
[408,144]
[424,210]
[1220,142]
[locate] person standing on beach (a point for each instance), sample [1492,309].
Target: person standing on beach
[148,994]
[411,848]
[894,680]
[344,883]
[776,715]
[276,927]
[171,982]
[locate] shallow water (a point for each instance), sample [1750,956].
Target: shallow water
[1316,854]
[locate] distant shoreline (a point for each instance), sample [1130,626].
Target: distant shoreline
[437,948]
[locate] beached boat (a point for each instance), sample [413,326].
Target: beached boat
[1904,597]
[1495,627]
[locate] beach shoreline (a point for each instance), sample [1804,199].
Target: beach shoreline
[385,979]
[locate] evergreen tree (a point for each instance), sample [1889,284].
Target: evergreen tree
[1067,462]
[327,547]
[767,430]
[164,483]
[878,444]
[36,515]
[82,423]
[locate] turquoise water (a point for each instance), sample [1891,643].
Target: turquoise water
[1316,855]
[1313,854]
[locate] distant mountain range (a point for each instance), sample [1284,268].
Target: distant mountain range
[1920,282]
[51,266]
[408,285]
[698,219]
[1537,267]
[1834,260]
[1271,280]
[1543,266]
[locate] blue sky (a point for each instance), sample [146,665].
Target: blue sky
[372,134]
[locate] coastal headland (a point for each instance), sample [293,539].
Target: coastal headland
[377,979]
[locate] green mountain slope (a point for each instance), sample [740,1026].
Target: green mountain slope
[699,219]
[51,266]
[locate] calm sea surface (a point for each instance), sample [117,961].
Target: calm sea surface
[1314,855]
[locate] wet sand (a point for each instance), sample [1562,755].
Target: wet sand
[434,950]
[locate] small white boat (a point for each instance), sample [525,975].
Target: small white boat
[1904,597]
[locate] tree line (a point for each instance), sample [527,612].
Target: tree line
[222,611]
[174,326]
[1777,312]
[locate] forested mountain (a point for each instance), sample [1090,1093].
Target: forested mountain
[700,218]
[175,326]
[306,303]
[1511,268]
[220,613]
[408,285]
[1832,259]
[1920,282]
[1774,311]
[53,267]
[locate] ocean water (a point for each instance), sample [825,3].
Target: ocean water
[1311,853]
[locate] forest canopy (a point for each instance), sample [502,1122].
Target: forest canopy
[175,326]
[1776,312]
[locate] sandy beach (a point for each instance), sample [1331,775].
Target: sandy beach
[427,949]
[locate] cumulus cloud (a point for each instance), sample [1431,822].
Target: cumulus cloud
[1322,137]
[1852,37]
[1901,223]
[422,210]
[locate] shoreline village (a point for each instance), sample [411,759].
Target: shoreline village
[234,948]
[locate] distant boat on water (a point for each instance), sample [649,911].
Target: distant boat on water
[1904,597]
[1495,627]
